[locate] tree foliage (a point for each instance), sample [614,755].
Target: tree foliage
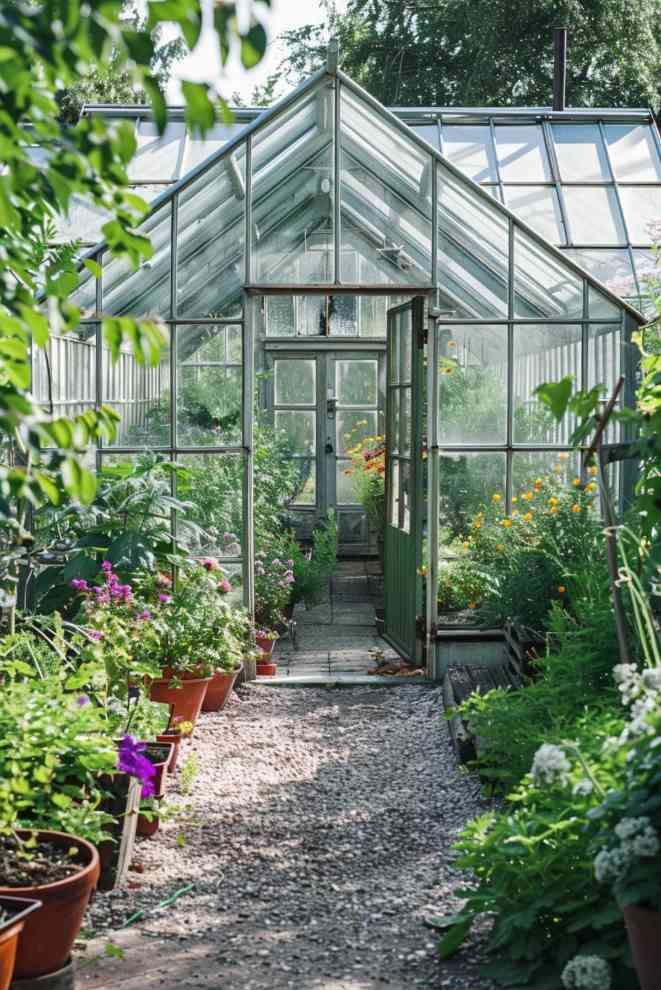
[490,52]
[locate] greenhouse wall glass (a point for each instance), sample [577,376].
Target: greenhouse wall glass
[352,271]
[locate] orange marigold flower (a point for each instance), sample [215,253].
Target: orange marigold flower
[593,470]
[506,523]
[590,487]
[553,510]
[472,604]
[527,516]
[562,589]
[538,484]
[553,500]
[576,508]
[576,482]
[527,496]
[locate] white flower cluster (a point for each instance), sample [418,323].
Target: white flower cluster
[628,680]
[638,840]
[550,765]
[583,788]
[587,973]
[642,693]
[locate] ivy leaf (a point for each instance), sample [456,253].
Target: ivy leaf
[556,395]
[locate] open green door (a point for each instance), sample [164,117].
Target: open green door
[404,502]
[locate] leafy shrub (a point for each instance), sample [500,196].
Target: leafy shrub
[313,571]
[461,585]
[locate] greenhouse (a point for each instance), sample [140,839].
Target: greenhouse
[324,260]
[330,500]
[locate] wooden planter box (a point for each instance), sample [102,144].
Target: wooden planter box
[123,803]
[522,650]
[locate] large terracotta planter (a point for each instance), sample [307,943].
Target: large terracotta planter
[186,698]
[219,690]
[644,931]
[18,909]
[48,936]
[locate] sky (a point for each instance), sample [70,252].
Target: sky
[203,64]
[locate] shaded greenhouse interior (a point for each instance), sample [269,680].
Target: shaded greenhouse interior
[281,243]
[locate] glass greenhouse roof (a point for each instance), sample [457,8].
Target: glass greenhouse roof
[588,181]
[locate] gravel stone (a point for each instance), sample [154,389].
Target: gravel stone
[317,833]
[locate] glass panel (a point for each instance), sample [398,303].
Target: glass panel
[356,382]
[429,133]
[599,306]
[543,354]
[406,337]
[145,292]
[343,313]
[299,428]
[642,212]
[198,149]
[580,152]
[538,206]
[141,396]
[209,388]
[344,489]
[386,198]
[473,251]
[543,285]
[372,315]
[633,153]
[84,221]
[521,153]
[293,170]
[593,216]
[405,496]
[467,482]
[612,267]
[157,157]
[606,362]
[307,488]
[234,344]
[394,348]
[556,468]
[472,384]
[211,239]
[295,382]
[279,313]
[405,425]
[213,485]
[468,146]
[393,514]
[352,427]
[64,373]
[647,269]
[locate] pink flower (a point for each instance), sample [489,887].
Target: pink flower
[144,615]
[94,634]
[164,598]
[224,586]
[210,564]
[106,566]
[79,585]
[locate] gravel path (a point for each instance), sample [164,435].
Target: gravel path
[317,834]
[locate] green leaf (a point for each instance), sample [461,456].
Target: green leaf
[224,19]
[114,951]
[454,938]
[253,45]
[200,112]
[37,323]
[556,395]
[93,266]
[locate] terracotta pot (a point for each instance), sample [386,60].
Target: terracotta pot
[148,826]
[644,931]
[48,936]
[267,669]
[265,645]
[18,909]
[160,761]
[219,689]
[186,700]
[175,739]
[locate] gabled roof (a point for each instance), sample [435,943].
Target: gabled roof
[333,189]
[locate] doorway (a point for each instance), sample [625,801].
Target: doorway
[326,399]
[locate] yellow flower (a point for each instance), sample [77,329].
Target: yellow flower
[563,457]
[422,571]
[515,512]
[590,487]
[465,544]
[553,500]
[477,524]
[593,469]
[538,484]
[514,500]
[576,508]
[527,516]
[576,482]
[506,523]
[553,510]
[496,497]
[500,546]
[527,496]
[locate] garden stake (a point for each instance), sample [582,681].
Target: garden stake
[169,900]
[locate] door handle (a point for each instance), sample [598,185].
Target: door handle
[331,405]
[329,446]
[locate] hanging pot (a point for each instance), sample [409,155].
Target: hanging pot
[18,908]
[219,690]
[186,698]
[48,935]
[644,932]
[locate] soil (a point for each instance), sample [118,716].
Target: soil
[39,865]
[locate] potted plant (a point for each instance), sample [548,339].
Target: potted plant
[178,730]
[159,755]
[265,640]
[628,847]
[13,913]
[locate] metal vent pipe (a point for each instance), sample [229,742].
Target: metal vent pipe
[559,68]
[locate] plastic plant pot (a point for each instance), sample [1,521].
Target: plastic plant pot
[17,909]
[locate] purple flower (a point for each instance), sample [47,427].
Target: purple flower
[106,566]
[164,598]
[83,700]
[131,760]
[95,634]
[144,615]
[79,584]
